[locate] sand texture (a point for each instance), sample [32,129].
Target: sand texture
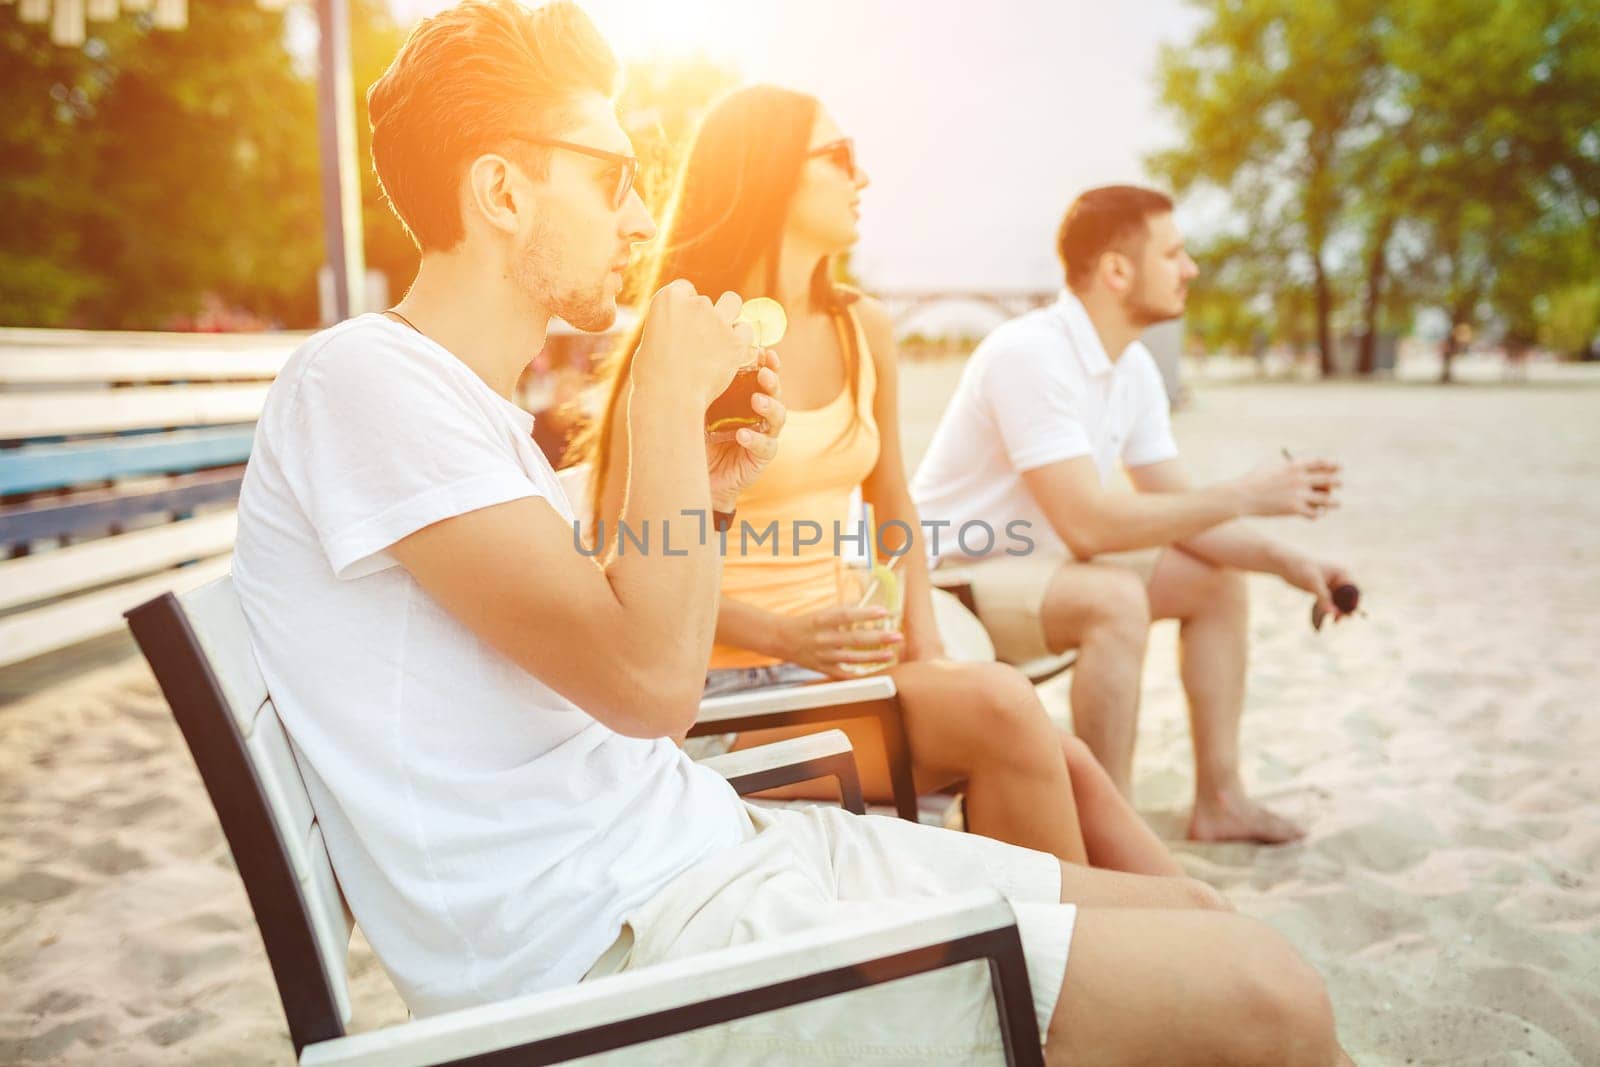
[1444,753]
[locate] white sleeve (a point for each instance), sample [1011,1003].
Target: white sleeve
[1033,405]
[1150,441]
[381,440]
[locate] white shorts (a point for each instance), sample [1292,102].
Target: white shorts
[805,867]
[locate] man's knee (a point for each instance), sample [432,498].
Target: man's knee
[1219,588]
[1120,607]
[1109,603]
[1287,1016]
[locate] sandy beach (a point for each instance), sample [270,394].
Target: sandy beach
[1444,752]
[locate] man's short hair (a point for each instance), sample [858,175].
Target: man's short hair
[1104,220]
[465,81]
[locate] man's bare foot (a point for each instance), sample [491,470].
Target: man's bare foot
[1238,818]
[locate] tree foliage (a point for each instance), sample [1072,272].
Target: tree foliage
[1428,152]
[149,170]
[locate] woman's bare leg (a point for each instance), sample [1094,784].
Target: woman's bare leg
[984,724]
[980,723]
[1114,834]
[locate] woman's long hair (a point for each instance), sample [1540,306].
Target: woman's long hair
[725,219]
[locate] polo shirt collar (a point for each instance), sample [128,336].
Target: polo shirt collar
[1082,334]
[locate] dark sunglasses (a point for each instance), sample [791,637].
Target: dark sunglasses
[841,153]
[627,166]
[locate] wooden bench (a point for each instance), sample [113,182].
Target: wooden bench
[121,456]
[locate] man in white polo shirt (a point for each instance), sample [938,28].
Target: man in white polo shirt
[1049,406]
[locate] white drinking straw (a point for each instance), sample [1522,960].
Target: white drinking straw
[872,535]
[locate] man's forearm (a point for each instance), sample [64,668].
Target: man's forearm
[1129,521]
[669,588]
[1237,545]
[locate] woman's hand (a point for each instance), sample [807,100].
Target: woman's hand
[827,641]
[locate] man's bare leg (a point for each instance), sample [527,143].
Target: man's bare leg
[1103,612]
[1188,987]
[1212,607]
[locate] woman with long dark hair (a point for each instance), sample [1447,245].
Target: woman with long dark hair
[765,202]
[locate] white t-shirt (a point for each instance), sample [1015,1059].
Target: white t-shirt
[1038,390]
[489,835]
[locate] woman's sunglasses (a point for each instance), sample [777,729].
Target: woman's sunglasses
[841,153]
[627,166]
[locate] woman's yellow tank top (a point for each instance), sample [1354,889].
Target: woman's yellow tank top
[824,454]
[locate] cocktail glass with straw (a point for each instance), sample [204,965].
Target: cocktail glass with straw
[871,583]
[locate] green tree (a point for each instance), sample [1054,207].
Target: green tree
[1502,168]
[1271,97]
[150,169]
[182,164]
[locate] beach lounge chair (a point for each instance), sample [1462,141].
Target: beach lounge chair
[199,648]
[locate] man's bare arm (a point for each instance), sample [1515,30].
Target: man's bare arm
[1240,546]
[1229,544]
[629,643]
[1092,521]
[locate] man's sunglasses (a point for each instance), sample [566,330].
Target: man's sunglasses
[627,166]
[841,153]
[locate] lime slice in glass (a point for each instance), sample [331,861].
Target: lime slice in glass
[883,589]
[767,320]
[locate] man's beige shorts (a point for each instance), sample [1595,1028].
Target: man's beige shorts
[1009,592]
[801,868]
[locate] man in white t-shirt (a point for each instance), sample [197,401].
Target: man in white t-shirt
[488,719]
[1020,480]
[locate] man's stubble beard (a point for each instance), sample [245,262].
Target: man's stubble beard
[538,271]
[1144,314]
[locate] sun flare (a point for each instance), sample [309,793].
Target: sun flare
[668,29]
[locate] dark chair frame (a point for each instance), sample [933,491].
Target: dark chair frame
[282,912]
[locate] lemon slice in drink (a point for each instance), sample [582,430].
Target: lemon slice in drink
[883,589]
[767,320]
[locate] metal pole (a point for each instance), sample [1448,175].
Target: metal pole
[336,136]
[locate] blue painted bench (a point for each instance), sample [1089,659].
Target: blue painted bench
[121,457]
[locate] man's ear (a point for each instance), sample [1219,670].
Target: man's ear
[495,192]
[1116,271]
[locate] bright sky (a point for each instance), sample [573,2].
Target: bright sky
[977,120]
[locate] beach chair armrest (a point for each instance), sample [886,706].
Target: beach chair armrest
[872,697]
[634,1007]
[799,759]
[777,706]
